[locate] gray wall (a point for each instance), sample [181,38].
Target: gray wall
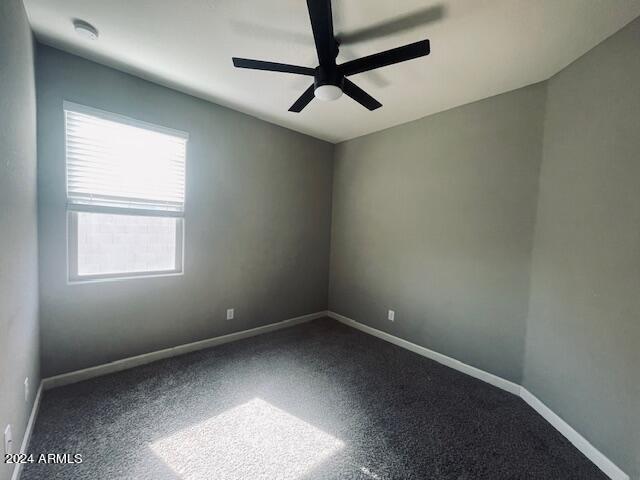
[18,224]
[257,224]
[583,333]
[434,219]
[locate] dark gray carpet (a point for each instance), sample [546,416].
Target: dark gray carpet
[318,400]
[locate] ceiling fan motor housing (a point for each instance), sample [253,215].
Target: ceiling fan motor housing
[326,76]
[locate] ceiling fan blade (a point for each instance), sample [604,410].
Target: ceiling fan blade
[388,57]
[374,77]
[399,24]
[322,26]
[303,101]
[272,66]
[360,96]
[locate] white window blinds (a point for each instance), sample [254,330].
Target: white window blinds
[116,162]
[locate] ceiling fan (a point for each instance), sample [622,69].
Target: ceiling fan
[329,78]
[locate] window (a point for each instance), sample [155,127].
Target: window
[125,195]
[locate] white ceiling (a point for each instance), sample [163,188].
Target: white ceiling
[479,48]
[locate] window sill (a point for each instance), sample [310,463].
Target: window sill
[118,278]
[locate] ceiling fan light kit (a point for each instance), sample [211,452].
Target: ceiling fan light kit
[327,93]
[328,84]
[329,78]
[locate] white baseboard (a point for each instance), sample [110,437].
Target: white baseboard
[27,431]
[438,357]
[130,362]
[581,443]
[578,441]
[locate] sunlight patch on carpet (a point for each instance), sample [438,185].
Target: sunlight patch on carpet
[255,440]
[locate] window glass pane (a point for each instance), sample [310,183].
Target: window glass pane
[109,244]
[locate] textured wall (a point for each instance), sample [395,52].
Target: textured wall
[583,332]
[258,212]
[18,224]
[434,219]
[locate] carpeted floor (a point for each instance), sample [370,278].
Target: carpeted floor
[319,400]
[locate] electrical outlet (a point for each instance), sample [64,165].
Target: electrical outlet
[8,441]
[392,315]
[230,313]
[26,389]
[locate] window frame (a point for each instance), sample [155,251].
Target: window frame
[72,209]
